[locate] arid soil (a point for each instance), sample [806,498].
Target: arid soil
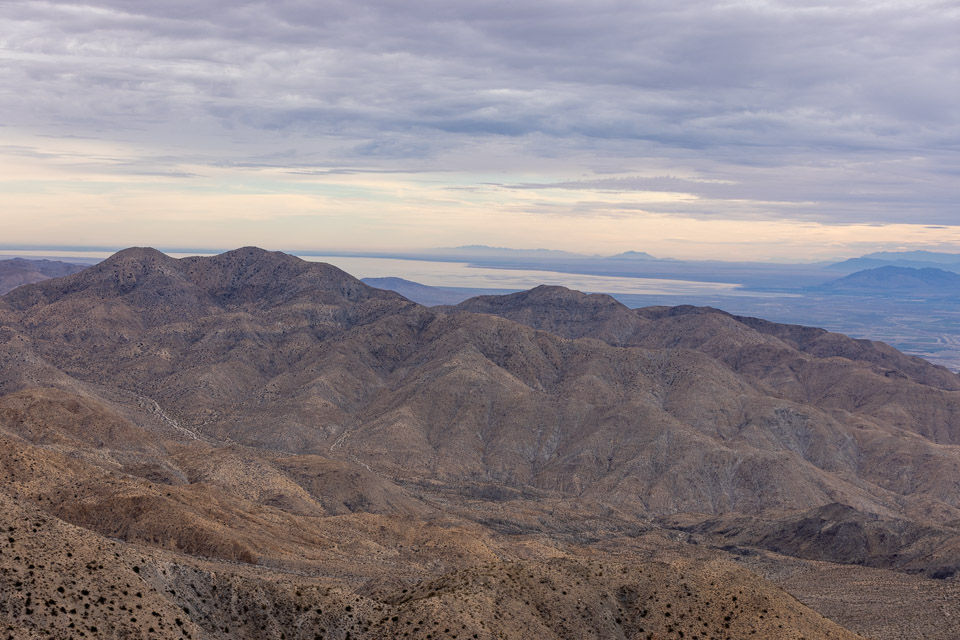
[264,447]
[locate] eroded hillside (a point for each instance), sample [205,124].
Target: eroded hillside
[315,456]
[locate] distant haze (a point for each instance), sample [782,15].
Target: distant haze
[768,130]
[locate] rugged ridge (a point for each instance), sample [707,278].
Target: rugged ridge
[256,408]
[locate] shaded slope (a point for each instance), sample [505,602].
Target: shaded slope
[841,534]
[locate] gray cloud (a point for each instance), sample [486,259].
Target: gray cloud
[839,112]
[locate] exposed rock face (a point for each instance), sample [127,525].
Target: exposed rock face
[255,408]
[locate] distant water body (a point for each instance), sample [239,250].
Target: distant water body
[462,275]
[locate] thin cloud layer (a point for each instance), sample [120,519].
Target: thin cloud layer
[797,111]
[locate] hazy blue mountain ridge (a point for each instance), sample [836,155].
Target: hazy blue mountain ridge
[898,279]
[911,259]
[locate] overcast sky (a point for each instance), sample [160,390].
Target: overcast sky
[786,130]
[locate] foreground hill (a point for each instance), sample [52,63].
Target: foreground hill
[257,409]
[61,581]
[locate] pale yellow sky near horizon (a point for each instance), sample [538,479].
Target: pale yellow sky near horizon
[78,198]
[389,213]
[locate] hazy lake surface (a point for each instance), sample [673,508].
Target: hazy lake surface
[462,275]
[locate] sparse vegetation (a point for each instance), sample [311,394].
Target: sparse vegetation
[255,447]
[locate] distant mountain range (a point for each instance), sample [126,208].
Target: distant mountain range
[898,279]
[916,259]
[911,259]
[916,256]
[635,255]
[19,271]
[483,251]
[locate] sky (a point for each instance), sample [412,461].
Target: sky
[762,130]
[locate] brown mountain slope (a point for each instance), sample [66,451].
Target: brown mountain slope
[572,314]
[257,408]
[374,576]
[710,415]
[246,277]
[59,581]
[566,313]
